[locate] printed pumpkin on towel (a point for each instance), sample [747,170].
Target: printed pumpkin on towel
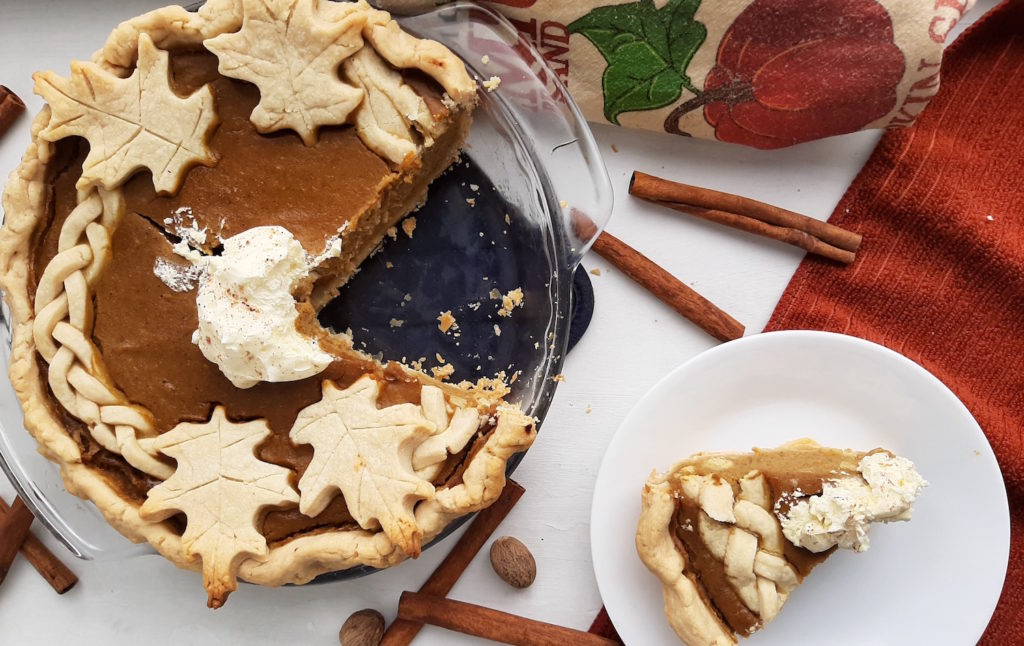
[763,73]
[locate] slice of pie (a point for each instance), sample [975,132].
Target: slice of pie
[731,535]
[190,199]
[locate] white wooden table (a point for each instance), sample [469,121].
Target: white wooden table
[633,341]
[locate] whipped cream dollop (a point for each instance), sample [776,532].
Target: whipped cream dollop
[247,311]
[843,513]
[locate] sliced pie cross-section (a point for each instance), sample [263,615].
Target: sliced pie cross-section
[731,535]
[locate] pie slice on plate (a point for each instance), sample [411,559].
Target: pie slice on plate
[191,197]
[731,535]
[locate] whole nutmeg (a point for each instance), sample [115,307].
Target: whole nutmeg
[513,562]
[362,628]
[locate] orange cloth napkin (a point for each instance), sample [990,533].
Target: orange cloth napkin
[940,277]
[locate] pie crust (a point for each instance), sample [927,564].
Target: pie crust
[54,322]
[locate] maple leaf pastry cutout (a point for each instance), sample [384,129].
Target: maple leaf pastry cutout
[222,488]
[130,123]
[291,52]
[366,453]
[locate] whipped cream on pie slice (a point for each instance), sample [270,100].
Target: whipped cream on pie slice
[844,511]
[247,313]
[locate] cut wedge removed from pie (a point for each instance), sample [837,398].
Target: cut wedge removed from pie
[731,535]
[191,197]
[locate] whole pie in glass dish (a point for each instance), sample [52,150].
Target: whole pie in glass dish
[190,199]
[731,535]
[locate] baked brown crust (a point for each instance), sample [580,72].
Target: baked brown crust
[56,320]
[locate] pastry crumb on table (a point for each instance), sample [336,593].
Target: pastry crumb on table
[447,322]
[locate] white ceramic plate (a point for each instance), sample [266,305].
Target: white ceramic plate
[934,580]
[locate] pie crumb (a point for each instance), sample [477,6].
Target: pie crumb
[443,372]
[409,225]
[559,377]
[389,264]
[508,219]
[497,330]
[494,294]
[563,204]
[471,201]
[494,384]
[393,233]
[492,83]
[588,409]
[510,301]
[397,322]
[446,321]
[485,59]
[615,148]
[595,271]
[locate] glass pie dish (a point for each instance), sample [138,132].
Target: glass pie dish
[508,216]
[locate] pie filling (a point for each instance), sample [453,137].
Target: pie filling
[144,329]
[708,572]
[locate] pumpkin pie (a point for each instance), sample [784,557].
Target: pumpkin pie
[731,535]
[191,198]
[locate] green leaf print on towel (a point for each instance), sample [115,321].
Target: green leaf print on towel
[647,50]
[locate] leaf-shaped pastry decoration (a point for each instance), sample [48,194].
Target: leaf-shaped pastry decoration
[221,486]
[393,116]
[365,452]
[291,51]
[130,123]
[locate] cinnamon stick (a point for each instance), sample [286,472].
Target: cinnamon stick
[479,621]
[11,106]
[60,578]
[749,215]
[669,289]
[13,531]
[403,631]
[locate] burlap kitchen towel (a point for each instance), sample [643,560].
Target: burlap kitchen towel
[765,73]
[940,277]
